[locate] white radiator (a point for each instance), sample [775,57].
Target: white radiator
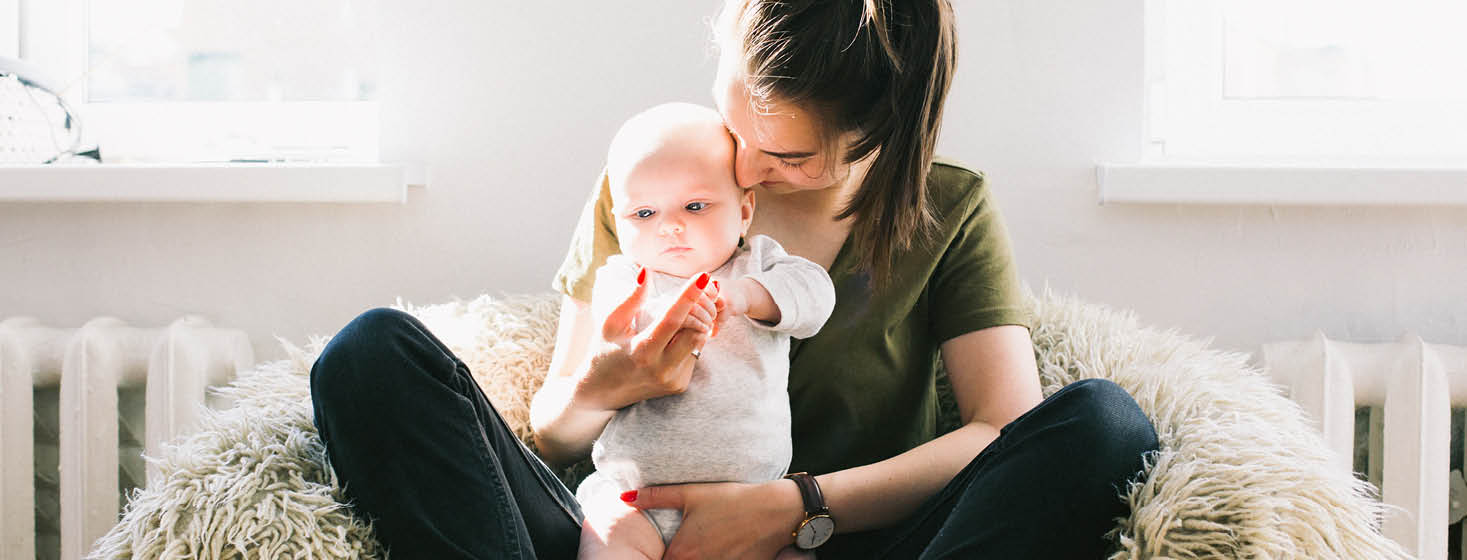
[86,369]
[1411,388]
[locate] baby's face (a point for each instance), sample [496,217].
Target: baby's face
[678,210]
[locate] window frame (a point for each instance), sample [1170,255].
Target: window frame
[53,34]
[1166,177]
[10,28]
[1189,116]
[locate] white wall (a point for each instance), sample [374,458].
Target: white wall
[511,104]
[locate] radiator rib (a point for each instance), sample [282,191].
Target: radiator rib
[174,365]
[1413,386]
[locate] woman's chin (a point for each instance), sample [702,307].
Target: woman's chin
[778,188]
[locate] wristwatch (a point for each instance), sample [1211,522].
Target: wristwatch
[818,526]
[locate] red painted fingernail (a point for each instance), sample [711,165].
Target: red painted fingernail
[641,275]
[703,280]
[629,496]
[715,285]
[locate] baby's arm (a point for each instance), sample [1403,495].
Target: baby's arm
[747,296]
[788,293]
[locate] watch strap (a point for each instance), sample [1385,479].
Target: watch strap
[809,493]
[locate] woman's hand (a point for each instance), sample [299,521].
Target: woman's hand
[603,364]
[631,364]
[728,519]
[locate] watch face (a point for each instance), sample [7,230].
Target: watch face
[815,531]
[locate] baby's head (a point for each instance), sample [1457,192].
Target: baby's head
[678,209]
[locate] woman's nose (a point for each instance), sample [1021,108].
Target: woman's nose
[749,170]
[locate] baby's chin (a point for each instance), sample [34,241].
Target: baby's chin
[682,270]
[684,266]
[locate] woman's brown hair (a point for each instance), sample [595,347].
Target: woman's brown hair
[877,68]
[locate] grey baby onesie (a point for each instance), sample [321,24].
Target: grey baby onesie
[733,422]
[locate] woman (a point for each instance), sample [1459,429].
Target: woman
[834,108]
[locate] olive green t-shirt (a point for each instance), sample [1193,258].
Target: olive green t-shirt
[863,389]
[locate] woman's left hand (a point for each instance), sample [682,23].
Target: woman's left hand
[728,519]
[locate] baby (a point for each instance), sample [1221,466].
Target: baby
[679,214]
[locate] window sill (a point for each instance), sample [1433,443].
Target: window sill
[1282,185]
[210,182]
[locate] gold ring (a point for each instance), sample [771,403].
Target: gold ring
[697,353]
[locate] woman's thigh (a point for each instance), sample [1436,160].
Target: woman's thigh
[1050,486]
[419,450]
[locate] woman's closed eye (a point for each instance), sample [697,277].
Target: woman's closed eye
[793,163]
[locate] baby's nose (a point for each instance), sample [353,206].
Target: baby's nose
[672,227]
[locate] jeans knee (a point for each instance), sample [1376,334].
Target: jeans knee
[1111,423]
[364,342]
[379,321]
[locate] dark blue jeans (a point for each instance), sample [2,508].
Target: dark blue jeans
[422,453]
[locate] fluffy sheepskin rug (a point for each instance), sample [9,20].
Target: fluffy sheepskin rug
[1241,473]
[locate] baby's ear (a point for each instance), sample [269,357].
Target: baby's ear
[746,208]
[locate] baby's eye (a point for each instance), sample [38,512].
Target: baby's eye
[696,206]
[645,213]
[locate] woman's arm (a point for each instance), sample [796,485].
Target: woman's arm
[994,379]
[563,428]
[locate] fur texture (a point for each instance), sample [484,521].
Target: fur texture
[1241,473]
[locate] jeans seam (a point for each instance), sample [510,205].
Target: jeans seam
[481,445]
[536,464]
[542,468]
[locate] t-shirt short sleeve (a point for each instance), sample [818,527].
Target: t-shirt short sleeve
[975,282]
[593,241]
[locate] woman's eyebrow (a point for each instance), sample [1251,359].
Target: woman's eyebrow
[789,155]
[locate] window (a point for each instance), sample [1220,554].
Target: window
[1306,80]
[212,80]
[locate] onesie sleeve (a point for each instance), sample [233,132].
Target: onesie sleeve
[593,241]
[801,289]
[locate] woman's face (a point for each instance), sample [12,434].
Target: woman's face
[778,147]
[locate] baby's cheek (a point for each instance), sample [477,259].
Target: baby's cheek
[634,244]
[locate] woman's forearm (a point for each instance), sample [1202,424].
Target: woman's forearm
[881,494]
[994,380]
[562,422]
[564,431]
